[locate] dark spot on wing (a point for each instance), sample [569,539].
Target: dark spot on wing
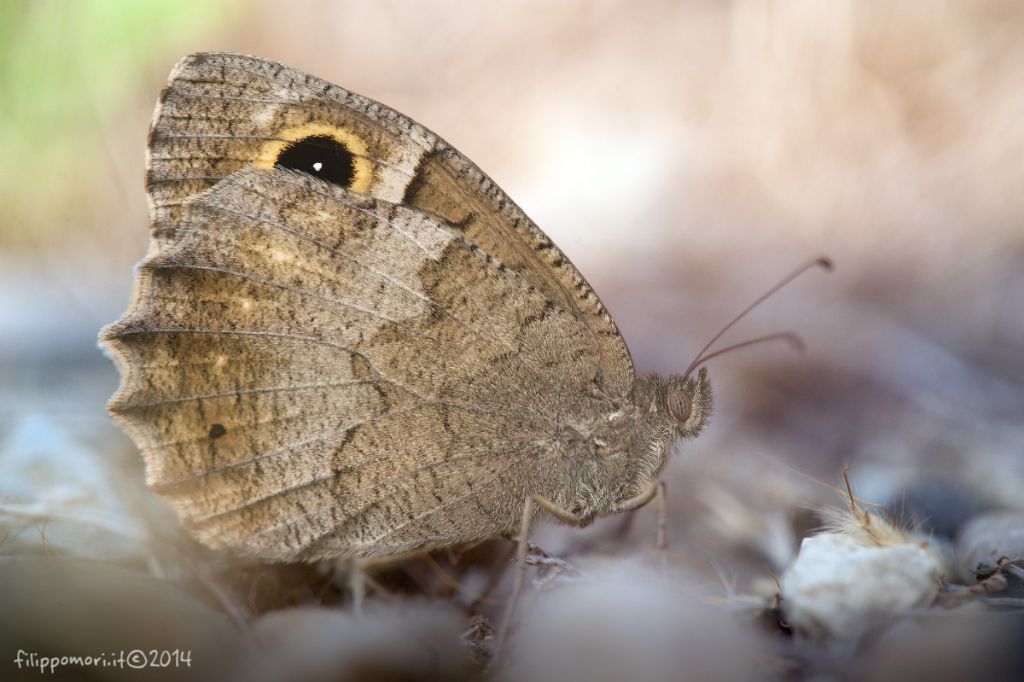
[321,156]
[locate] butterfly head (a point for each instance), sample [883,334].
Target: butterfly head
[686,402]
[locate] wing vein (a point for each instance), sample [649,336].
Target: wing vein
[251,391]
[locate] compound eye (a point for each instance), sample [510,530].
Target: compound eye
[680,406]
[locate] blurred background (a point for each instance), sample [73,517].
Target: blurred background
[685,155]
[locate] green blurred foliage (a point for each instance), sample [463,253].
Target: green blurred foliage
[67,68]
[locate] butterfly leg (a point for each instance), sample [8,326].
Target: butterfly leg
[517,582]
[661,541]
[526,521]
[356,575]
[560,513]
[638,501]
[358,578]
[656,490]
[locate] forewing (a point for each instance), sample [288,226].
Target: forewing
[222,112]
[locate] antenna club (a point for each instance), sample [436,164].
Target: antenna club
[825,263]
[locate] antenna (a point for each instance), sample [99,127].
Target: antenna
[823,262]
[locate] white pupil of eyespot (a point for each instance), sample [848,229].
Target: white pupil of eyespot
[318,166]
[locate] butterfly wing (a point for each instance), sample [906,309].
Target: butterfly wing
[313,370]
[221,112]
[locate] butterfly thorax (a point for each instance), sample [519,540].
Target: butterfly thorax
[617,450]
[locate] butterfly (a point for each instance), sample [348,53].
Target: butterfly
[347,341]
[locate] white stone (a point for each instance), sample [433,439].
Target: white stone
[836,585]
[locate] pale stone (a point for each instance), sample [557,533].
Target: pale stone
[836,585]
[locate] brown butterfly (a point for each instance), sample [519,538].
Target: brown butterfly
[347,341]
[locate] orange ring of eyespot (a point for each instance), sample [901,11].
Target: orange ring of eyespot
[363,175]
